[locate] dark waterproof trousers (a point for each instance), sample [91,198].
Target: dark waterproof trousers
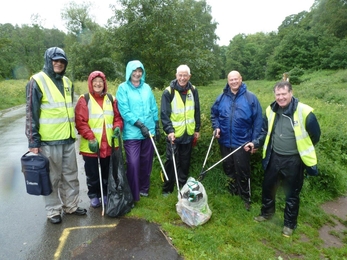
[237,168]
[91,166]
[139,156]
[182,154]
[287,170]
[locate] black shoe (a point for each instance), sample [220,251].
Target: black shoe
[55,219]
[79,212]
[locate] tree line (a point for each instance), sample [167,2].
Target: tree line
[165,33]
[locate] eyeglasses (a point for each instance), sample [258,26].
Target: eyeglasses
[61,61]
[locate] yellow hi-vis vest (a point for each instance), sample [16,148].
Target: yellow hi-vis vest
[97,118]
[182,115]
[57,118]
[303,140]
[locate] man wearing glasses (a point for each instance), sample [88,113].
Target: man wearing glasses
[50,129]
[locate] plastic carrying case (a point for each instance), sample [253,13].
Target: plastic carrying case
[35,168]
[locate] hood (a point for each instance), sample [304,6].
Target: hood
[92,76]
[133,65]
[54,53]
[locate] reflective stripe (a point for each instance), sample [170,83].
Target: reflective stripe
[271,118]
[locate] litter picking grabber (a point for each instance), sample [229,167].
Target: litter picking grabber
[202,175]
[101,189]
[208,151]
[161,163]
[175,168]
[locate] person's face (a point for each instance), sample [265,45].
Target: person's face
[182,78]
[98,85]
[234,81]
[136,76]
[283,96]
[58,66]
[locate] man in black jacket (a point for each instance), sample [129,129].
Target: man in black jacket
[290,131]
[50,129]
[180,117]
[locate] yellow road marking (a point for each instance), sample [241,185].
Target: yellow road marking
[66,234]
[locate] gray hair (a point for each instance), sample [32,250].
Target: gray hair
[183,68]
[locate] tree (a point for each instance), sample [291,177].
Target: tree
[248,54]
[331,15]
[77,18]
[296,50]
[87,44]
[164,34]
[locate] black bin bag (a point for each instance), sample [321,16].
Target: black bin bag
[35,168]
[119,197]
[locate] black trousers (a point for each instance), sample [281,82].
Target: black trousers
[182,158]
[288,171]
[237,168]
[91,167]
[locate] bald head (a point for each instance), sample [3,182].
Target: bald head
[234,81]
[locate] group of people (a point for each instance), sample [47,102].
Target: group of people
[99,117]
[287,132]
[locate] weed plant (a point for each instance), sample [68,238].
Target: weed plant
[231,233]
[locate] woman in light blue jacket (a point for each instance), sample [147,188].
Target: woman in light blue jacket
[138,108]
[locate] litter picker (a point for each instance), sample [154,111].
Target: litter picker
[202,174]
[175,168]
[101,188]
[161,163]
[208,151]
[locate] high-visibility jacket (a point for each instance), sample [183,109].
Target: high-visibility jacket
[303,141]
[57,118]
[97,118]
[182,115]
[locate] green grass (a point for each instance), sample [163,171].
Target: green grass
[231,233]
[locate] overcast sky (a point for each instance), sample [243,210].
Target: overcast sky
[233,17]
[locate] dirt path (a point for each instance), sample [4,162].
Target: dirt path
[333,235]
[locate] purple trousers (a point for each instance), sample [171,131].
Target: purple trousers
[139,156]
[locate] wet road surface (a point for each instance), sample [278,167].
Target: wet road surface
[25,232]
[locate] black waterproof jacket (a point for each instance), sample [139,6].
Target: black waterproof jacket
[34,97]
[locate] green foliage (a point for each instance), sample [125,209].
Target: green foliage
[164,34]
[294,76]
[22,49]
[249,54]
[13,93]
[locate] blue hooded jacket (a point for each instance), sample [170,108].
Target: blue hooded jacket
[239,117]
[136,103]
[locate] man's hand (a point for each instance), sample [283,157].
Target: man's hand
[171,137]
[249,147]
[217,133]
[34,150]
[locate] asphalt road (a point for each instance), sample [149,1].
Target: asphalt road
[25,232]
